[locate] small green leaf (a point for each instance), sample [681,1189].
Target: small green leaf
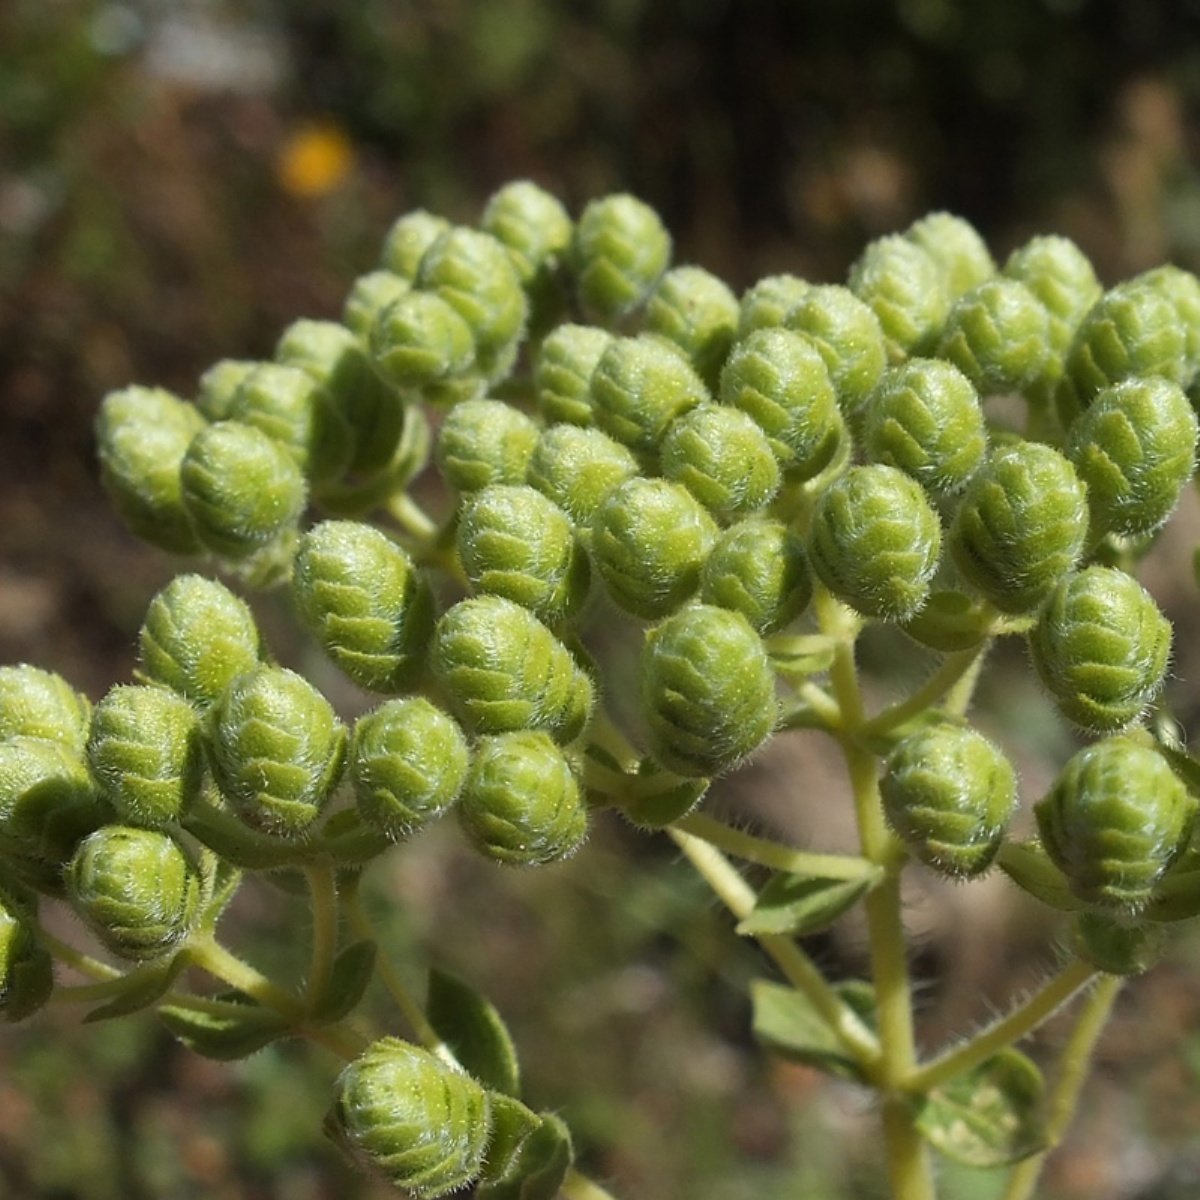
[349,978]
[787,1024]
[658,797]
[798,905]
[1177,896]
[949,621]
[512,1123]
[532,1168]
[225,1035]
[988,1117]
[220,887]
[474,1030]
[1030,868]
[800,655]
[142,988]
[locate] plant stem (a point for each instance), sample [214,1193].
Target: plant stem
[410,516]
[322,886]
[815,707]
[83,963]
[769,853]
[953,668]
[1072,1071]
[797,968]
[577,1186]
[1022,1021]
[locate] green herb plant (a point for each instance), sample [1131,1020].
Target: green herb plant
[566,440]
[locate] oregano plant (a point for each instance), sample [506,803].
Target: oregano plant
[533,437]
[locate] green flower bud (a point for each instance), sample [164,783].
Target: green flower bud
[1058,273]
[369,296]
[532,225]
[619,250]
[218,386]
[1131,331]
[473,273]
[142,435]
[1101,647]
[513,542]
[1116,818]
[421,342]
[278,750]
[1115,946]
[698,313]
[40,704]
[1021,525]
[146,755]
[875,542]
[197,638]
[767,303]
[926,419]
[955,245]
[408,761]
[1135,449]
[135,889]
[780,379]
[364,600]
[723,458]
[998,335]
[905,287]
[758,568]
[847,335]
[949,793]
[522,804]
[503,670]
[562,372]
[577,468]
[408,240]
[649,540]
[639,386]
[708,694]
[410,1118]
[242,489]
[1182,290]
[483,442]
[26,970]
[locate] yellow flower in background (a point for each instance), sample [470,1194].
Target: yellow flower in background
[315,159]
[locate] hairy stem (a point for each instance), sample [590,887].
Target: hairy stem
[411,517]
[953,669]
[83,963]
[322,887]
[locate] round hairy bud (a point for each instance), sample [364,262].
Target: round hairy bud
[146,755]
[532,225]
[514,542]
[522,804]
[503,670]
[926,419]
[619,250]
[1021,525]
[278,750]
[406,1116]
[708,694]
[847,335]
[758,568]
[1115,945]
[218,386]
[1116,818]
[142,435]
[780,380]
[723,458]
[905,287]
[998,335]
[1131,331]
[875,542]
[696,311]
[483,442]
[408,240]
[955,245]
[767,303]
[474,274]
[242,489]
[364,600]
[1059,274]
[1182,290]
[576,468]
[135,889]
[293,409]
[40,704]
[639,386]
[369,296]
[420,342]
[562,372]
[1135,449]
[26,969]
[949,793]
[650,538]
[197,637]
[1101,646]
[408,761]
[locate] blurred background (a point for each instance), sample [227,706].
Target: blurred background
[180,179]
